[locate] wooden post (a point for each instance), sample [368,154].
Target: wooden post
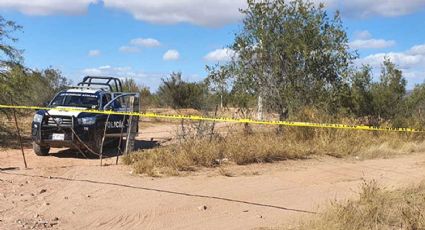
[20,138]
[260,114]
[103,139]
[120,141]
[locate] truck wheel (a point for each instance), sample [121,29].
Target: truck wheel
[96,143]
[40,150]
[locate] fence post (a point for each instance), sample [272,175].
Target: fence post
[20,138]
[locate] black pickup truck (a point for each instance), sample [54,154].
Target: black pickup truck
[76,129]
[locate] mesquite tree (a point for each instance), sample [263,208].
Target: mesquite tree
[292,54]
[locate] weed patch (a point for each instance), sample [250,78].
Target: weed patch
[268,146]
[376,208]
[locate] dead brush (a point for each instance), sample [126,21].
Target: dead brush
[195,150]
[205,144]
[376,208]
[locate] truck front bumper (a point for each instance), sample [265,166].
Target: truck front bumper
[47,135]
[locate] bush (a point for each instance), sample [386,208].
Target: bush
[376,208]
[265,145]
[176,93]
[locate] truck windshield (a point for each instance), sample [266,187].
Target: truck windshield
[76,100]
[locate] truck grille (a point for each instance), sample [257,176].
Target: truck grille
[61,120]
[47,133]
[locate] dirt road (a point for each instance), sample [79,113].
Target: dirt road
[64,191]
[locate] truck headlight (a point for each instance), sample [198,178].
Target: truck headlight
[38,118]
[87,120]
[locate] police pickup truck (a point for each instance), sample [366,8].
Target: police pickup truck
[67,125]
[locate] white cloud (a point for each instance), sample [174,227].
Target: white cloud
[94,53]
[203,12]
[107,70]
[152,80]
[364,40]
[220,55]
[171,55]
[221,12]
[386,8]
[47,7]
[363,35]
[417,50]
[404,60]
[411,62]
[198,12]
[371,44]
[129,49]
[145,42]
[419,76]
[409,59]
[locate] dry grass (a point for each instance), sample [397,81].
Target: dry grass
[8,134]
[376,208]
[267,146]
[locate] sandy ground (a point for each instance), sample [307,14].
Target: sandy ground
[64,191]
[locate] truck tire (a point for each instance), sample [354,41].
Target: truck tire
[40,150]
[96,144]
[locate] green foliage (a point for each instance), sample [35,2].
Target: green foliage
[28,87]
[388,94]
[295,56]
[18,84]
[147,99]
[292,54]
[361,92]
[176,93]
[45,84]
[130,85]
[9,54]
[415,106]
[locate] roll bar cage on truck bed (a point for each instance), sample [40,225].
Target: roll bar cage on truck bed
[93,81]
[85,130]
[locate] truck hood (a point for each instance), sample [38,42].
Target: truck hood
[58,112]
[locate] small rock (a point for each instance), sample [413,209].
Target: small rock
[43,191]
[36,215]
[55,219]
[260,216]
[88,196]
[21,194]
[245,210]
[50,177]
[43,222]
[47,203]
[32,194]
[203,207]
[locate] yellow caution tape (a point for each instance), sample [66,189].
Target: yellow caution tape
[222,119]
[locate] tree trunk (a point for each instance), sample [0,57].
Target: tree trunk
[283,115]
[260,115]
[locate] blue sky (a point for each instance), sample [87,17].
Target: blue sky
[147,40]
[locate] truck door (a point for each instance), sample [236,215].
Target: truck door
[123,102]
